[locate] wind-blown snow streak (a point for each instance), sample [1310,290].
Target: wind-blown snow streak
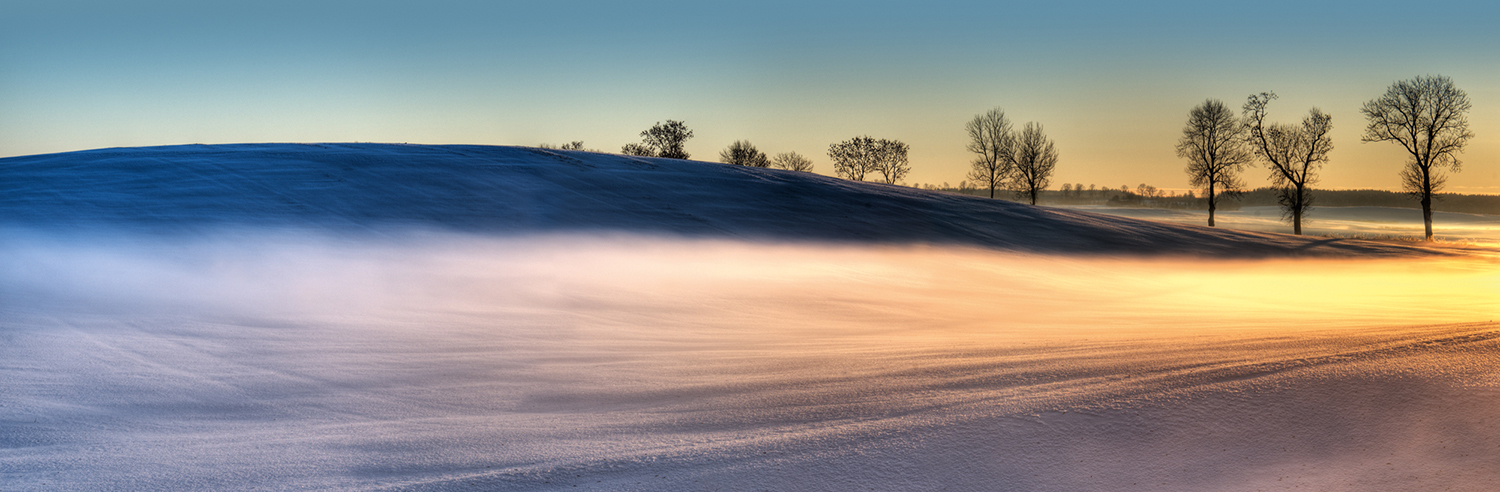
[442,361]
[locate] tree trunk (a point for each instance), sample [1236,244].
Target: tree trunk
[1427,214]
[1212,200]
[1427,204]
[1297,213]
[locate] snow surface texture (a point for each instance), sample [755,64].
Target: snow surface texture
[184,344]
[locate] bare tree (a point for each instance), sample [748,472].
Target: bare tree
[638,149]
[1293,153]
[666,140]
[1427,116]
[1036,158]
[993,143]
[1213,142]
[1146,191]
[859,156]
[574,145]
[853,158]
[890,160]
[792,161]
[743,153]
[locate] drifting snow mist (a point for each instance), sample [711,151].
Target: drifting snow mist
[755,289]
[444,360]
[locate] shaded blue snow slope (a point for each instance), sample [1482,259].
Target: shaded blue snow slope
[518,190]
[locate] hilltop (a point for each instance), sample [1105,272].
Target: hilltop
[522,190]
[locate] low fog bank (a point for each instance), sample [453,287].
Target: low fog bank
[299,271]
[1344,222]
[449,361]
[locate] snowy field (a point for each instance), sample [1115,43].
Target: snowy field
[300,339]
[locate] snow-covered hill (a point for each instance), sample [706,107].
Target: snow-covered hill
[392,317]
[488,189]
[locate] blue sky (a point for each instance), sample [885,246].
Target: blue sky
[1111,83]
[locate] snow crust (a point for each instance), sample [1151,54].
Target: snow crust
[216,331]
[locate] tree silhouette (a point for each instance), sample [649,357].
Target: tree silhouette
[1146,191]
[1427,116]
[890,160]
[792,161]
[638,149]
[667,140]
[574,145]
[993,143]
[743,153]
[1036,157]
[1213,142]
[1293,153]
[853,158]
[859,156]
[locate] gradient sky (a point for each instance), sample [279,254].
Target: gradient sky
[1112,83]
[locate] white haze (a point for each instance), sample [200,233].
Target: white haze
[295,360]
[1376,222]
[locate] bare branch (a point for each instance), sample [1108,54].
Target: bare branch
[890,160]
[859,156]
[1036,158]
[1294,154]
[1214,143]
[667,140]
[792,161]
[743,153]
[993,142]
[1427,117]
[852,158]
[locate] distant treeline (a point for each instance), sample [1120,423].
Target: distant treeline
[1442,202]
[1260,197]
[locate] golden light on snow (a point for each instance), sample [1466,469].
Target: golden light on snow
[616,361]
[763,291]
